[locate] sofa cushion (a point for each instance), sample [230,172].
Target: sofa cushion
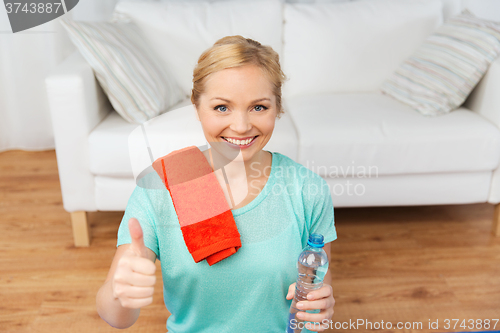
[353,46]
[112,194]
[372,133]
[114,141]
[132,76]
[180,31]
[440,75]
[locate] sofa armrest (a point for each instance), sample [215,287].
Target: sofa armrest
[77,105]
[485,100]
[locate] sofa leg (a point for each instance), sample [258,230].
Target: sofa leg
[81,229]
[496,220]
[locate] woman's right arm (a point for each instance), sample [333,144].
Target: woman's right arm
[130,282]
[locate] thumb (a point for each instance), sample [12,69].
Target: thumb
[291,291]
[136,234]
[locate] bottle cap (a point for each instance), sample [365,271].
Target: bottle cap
[316,240]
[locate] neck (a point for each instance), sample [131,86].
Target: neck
[238,168]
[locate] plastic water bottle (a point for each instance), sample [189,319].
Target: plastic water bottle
[312,267]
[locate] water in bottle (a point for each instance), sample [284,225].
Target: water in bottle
[312,267]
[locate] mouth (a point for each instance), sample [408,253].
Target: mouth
[233,144]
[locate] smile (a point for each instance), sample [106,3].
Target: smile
[240,143]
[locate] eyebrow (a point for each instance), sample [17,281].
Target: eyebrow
[255,101]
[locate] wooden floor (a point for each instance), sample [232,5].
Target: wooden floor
[390,264]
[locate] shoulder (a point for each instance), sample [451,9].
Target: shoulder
[310,186]
[150,189]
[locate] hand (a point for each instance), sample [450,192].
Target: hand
[321,299]
[134,279]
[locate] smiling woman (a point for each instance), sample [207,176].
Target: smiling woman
[243,121]
[237,95]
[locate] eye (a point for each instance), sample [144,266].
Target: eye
[223,106]
[262,107]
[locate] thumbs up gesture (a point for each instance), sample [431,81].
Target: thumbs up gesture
[134,279]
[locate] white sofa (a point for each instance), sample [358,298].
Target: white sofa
[371,149]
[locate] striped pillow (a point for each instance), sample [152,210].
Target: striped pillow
[130,74]
[440,75]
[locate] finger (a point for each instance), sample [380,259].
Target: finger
[320,304]
[142,266]
[315,317]
[142,280]
[136,292]
[135,303]
[137,237]
[123,291]
[136,279]
[322,292]
[291,291]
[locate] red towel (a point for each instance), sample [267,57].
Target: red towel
[206,220]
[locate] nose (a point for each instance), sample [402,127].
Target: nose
[240,122]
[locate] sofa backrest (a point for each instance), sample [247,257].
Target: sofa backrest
[451,8]
[179,32]
[352,46]
[324,46]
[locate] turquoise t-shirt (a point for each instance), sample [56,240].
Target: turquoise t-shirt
[246,291]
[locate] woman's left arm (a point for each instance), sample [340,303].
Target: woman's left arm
[321,299]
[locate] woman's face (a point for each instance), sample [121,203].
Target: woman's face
[238,103]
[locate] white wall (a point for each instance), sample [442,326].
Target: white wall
[26,58]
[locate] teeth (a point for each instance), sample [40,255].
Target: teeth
[239,142]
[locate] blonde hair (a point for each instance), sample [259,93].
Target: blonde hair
[235,51]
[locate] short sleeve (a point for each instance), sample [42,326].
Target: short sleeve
[139,206]
[319,208]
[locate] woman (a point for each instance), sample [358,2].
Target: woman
[237,94]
